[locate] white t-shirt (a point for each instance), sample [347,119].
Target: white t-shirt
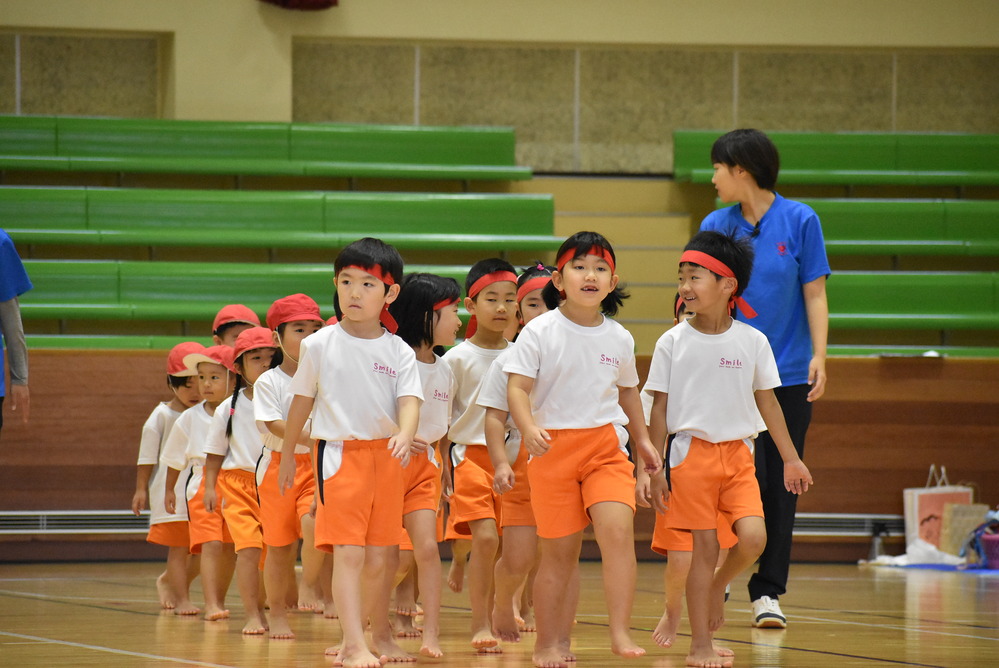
[576,370]
[356,383]
[243,448]
[185,446]
[469,363]
[438,395]
[155,433]
[271,401]
[710,380]
[492,394]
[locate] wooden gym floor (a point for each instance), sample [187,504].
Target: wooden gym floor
[840,615]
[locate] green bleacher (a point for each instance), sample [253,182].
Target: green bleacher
[51,143]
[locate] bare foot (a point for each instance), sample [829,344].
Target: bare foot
[708,660]
[164,593]
[505,626]
[186,608]
[527,623]
[716,611]
[280,629]
[565,649]
[333,651]
[391,652]
[724,651]
[329,610]
[214,614]
[456,575]
[549,658]
[624,646]
[484,640]
[360,659]
[431,648]
[254,627]
[665,633]
[404,627]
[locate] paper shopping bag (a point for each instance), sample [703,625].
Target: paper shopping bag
[924,506]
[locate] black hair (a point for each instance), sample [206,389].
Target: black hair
[484,268]
[369,253]
[413,309]
[580,243]
[535,270]
[179,381]
[753,151]
[736,254]
[220,332]
[239,384]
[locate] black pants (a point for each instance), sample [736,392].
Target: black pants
[779,504]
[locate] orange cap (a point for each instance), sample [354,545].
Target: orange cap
[291,308]
[175,360]
[253,338]
[223,355]
[235,313]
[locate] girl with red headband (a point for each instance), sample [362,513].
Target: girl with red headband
[573,388]
[712,380]
[491,286]
[427,313]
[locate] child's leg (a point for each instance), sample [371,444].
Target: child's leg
[248,580]
[525,601]
[278,586]
[553,595]
[520,544]
[380,564]
[310,590]
[674,581]
[485,543]
[700,604]
[422,527]
[752,535]
[613,527]
[177,578]
[214,580]
[348,566]
[460,549]
[405,596]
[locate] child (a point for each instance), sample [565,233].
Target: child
[168,528]
[573,385]
[365,388]
[492,302]
[713,379]
[231,321]
[509,461]
[231,452]
[674,543]
[427,313]
[285,517]
[184,450]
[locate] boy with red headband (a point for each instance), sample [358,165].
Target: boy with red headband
[712,379]
[491,285]
[365,388]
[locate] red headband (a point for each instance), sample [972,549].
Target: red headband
[444,302]
[599,251]
[480,285]
[720,268]
[676,308]
[531,285]
[385,318]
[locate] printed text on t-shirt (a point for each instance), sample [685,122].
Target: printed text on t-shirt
[729,364]
[610,360]
[385,369]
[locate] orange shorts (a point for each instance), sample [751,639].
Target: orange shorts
[406,544]
[171,534]
[474,497]
[665,540]
[582,467]
[281,514]
[715,480]
[451,532]
[361,502]
[203,526]
[515,505]
[421,484]
[240,508]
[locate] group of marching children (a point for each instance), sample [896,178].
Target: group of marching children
[348,435]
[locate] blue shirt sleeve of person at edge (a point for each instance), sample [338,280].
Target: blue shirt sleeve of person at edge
[790,251]
[14,280]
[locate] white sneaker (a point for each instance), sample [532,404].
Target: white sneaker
[767,614]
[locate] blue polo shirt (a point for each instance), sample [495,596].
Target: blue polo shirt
[790,251]
[13,280]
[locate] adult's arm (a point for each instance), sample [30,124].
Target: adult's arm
[17,356]
[817,312]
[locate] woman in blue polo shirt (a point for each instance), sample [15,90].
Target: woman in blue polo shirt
[788,291]
[13,283]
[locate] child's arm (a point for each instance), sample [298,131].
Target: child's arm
[658,431]
[632,404]
[447,479]
[213,464]
[408,410]
[140,500]
[170,494]
[298,415]
[797,478]
[518,394]
[503,478]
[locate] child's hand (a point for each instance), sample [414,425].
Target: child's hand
[170,501]
[643,491]
[286,474]
[503,478]
[797,478]
[659,493]
[650,456]
[447,484]
[400,445]
[418,446]
[535,441]
[210,500]
[313,506]
[140,501]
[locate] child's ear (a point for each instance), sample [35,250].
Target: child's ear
[276,338]
[730,284]
[557,279]
[393,293]
[615,279]
[470,305]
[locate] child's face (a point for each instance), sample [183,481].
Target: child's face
[215,382]
[294,333]
[446,325]
[586,280]
[702,291]
[188,393]
[532,305]
[230,335]
[362,296]
[495,306]
[254,362]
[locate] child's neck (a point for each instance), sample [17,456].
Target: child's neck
[485,338]
[584,316]
[177,405]
[362,330]
[210,406]
[288,365]
[711,323]
[425,353]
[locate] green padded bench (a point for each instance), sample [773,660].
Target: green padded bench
[263,149]
[858,158]
[127,290]
[259,219]
[845,350]
[913,300]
